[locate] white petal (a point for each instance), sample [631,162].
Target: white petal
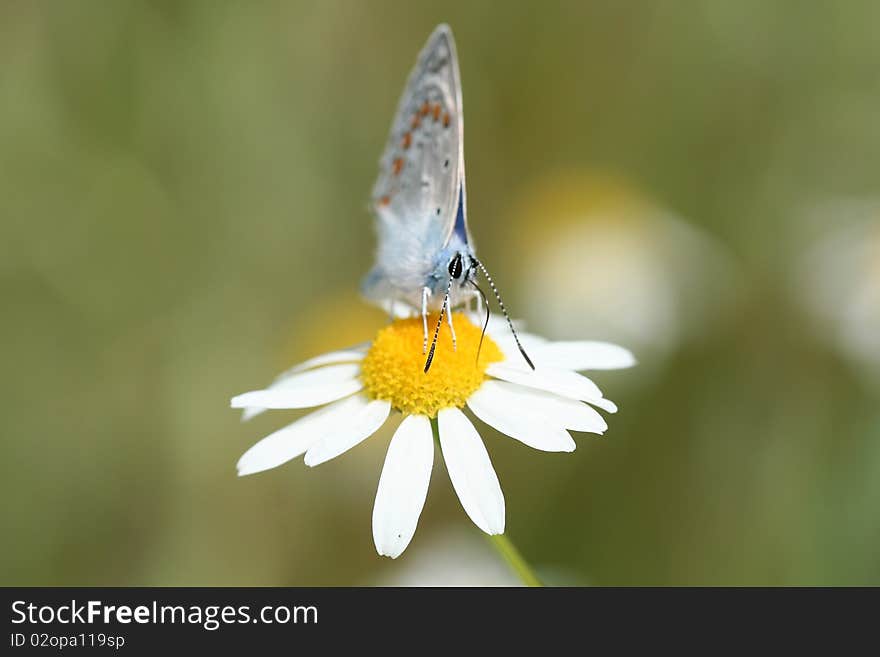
[531,344]
[403,486]
[553,409]
[359,425]
[305,397]
[500,332]
[583,355]
[471,471]
[294,439]
[522,423]
[328,374]
[497,324]
[251,412]
[561,382]
[570,413]
[353,355]
[604,404]
[311,388]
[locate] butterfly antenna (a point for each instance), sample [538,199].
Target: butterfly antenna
[486,322]
[437,328]
[504,312]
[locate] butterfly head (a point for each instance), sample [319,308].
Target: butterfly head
[463,268]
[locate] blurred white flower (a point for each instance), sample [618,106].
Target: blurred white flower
[837,278]
[451,558]
[611,262]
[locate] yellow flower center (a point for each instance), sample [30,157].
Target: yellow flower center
[394,367]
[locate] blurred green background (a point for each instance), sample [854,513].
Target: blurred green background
[183,213]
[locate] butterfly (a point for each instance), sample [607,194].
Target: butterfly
[425,257]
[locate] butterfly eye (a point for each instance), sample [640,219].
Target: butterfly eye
[455,266]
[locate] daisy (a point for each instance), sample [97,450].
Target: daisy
[359,387]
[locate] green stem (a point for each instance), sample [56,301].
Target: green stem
[515,560]
[500,542]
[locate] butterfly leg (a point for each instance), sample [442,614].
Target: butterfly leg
[451,327]
[426,293]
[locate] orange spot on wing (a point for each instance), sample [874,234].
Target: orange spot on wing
[416,121]
[397,165]
[407,140]
[425,108]
[446,120]
[385,200]
[437,112]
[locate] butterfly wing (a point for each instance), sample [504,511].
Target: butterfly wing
[420,186]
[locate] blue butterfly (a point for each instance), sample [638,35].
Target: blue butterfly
[426,256]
